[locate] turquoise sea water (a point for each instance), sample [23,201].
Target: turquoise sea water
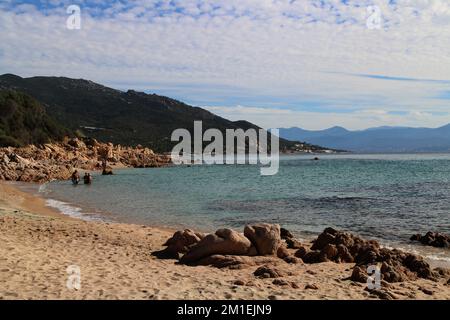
[385,197]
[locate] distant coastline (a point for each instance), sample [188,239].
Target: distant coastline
[376,140]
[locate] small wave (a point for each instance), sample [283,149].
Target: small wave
[68,209]
[436,258]
[43,188]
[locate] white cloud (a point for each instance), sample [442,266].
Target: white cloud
[297,53]
[356,120]
[241,110]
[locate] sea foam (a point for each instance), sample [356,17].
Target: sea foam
[68,209]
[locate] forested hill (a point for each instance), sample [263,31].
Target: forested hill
[127,118]
[23,121]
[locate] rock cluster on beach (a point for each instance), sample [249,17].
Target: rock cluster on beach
[58,160]
[434,239]
[269,246]
[395,265]
[261,243]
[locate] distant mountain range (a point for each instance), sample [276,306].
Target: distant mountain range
[109,115]
[380,139]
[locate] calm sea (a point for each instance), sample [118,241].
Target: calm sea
[385,197]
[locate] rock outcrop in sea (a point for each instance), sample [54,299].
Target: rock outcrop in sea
[434,239]
[56,161]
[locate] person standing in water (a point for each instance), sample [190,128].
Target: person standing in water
[75,177]
[87,178]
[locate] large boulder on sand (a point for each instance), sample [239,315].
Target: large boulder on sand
[223,242]
[265,237]
[180,243]
[337,246]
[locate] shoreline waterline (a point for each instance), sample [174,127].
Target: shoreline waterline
[77,211]
[66,210]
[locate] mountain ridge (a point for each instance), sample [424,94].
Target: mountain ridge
[122,117]
[377,139]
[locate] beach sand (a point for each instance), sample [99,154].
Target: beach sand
[38,244]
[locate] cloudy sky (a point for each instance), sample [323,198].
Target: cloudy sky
[278,63]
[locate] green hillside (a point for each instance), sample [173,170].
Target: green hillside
[127,118]
[23,120]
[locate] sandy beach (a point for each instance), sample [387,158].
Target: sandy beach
[38,245]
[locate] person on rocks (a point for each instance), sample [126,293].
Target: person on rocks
[75,177]
[87,178]
[106,171]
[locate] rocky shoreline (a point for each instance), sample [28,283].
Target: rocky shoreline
[270,248]
[57,161]
[433,239]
